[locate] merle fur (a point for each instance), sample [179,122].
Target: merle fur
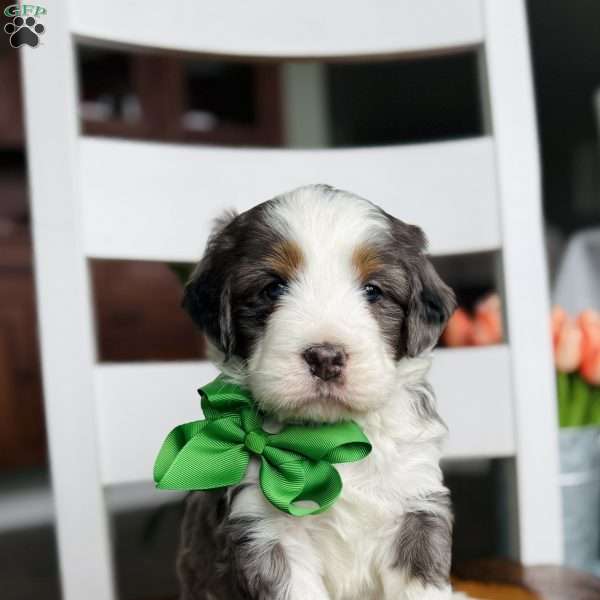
[416,303]
[424,543]
[219,558]
[223,296]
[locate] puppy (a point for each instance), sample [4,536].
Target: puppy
[326,308]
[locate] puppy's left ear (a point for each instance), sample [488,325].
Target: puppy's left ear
[430,305]
[207,295]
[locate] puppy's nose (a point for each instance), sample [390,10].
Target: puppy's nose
[326,361]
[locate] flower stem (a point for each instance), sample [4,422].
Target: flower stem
[595,405]
[580,402]
[562,388]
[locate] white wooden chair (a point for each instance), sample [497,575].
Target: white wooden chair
[106,198]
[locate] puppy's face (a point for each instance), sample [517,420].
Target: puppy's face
[313,297]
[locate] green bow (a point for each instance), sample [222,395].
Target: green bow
[296,463]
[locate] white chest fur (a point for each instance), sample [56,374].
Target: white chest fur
[356,540]
[353,543]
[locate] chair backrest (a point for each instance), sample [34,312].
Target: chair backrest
[106,198]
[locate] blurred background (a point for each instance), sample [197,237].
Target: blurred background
[170,97]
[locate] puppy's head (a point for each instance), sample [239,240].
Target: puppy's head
[313,298]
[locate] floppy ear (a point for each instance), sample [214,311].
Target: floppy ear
[430,305]
[207,294]
[431,301]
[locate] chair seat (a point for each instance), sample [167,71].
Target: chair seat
[502,579]
[498,579]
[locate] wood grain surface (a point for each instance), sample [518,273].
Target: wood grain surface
[501,579]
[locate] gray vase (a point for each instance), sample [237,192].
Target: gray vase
[580,483]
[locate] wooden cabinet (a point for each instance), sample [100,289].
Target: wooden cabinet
[22,438]
[11,112]
[170,98]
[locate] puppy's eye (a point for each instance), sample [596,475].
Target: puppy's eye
[275,290]
[372,293]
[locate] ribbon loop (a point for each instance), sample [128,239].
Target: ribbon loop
[296,463]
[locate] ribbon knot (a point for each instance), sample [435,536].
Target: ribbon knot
[256,441]
[296,464]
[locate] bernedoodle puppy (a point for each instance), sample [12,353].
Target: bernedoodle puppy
[326,308]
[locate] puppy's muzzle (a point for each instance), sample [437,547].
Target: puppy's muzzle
[325,361]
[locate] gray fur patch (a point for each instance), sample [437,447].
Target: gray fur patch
[424,545]
[430,306]
[261,569]
[220,557]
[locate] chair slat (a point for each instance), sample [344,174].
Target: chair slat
[473,388]
[138,404]
[152,201]
[312,28]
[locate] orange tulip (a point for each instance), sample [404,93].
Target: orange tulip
[590,367]
[557,319]
[567,349]
[487,325]
[459,329]
[589,323]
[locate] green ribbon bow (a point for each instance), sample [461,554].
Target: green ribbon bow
[296,463]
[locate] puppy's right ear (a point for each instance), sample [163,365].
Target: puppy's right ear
[207,294]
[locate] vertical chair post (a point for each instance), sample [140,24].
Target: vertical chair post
[525,281]
[64,312]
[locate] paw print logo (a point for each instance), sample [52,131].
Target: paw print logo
[24,32]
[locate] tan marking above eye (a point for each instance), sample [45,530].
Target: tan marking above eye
[286,259]
[366,261]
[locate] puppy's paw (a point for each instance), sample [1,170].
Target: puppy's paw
[418,591]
